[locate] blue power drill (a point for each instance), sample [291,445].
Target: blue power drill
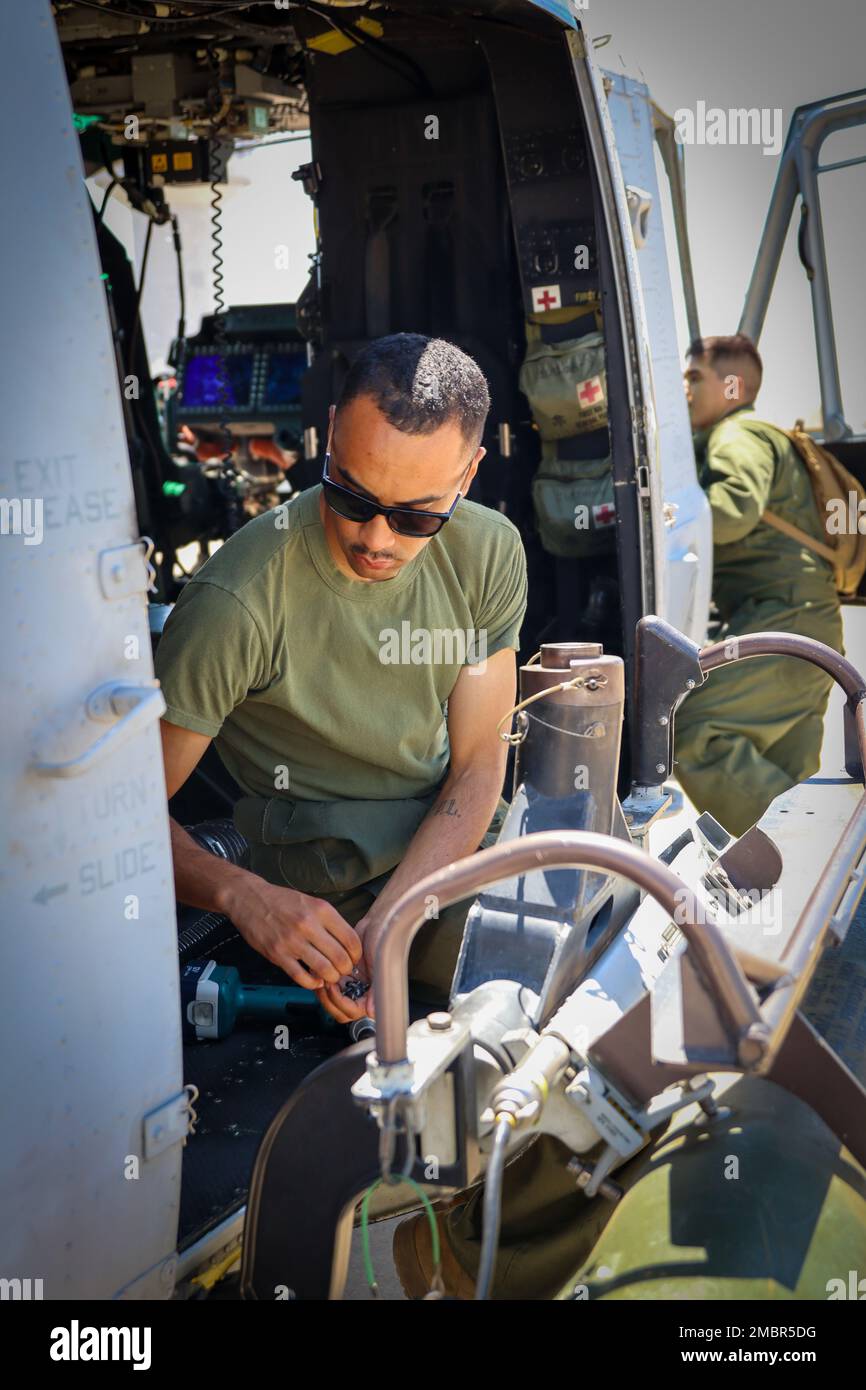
[213,1000]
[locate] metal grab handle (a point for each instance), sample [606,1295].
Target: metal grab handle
[819,654]
[555,849]
[137,706]
[786,644]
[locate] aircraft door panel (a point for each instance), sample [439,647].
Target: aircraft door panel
[687,530]
[92,1090]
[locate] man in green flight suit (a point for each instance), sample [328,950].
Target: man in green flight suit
[755,728]
[351,654]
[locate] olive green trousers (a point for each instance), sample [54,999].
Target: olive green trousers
[755,728]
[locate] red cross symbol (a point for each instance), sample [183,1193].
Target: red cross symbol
[588,390]
[605,515]
[546,297]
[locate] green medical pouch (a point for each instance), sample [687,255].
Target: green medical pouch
[574,506]
[566,385]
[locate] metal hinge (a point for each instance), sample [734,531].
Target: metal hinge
[170,1123]
[126,569]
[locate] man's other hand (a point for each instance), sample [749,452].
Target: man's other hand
[331,997]
[343,1008]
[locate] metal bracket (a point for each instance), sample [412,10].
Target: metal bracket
[127,570]
[589,1092]
[642,808]
[667,668]
[169,1123]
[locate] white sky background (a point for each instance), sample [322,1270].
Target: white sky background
[735,53]
[759,53]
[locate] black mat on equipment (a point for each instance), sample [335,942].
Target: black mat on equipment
[243,1080]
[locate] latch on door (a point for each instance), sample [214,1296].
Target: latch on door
[639,205]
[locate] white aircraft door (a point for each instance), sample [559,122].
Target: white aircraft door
[92,1103]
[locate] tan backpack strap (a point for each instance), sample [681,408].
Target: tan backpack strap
[797,535]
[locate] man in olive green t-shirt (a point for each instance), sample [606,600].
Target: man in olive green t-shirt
[755,728]
[351,653]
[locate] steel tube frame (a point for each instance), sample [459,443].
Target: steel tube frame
[798,174]
[551,849]
[716,962]
[805,649]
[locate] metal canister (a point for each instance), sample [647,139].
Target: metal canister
[572,736]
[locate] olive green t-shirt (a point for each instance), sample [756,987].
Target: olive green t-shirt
[327,688]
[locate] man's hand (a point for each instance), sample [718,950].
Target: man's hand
[293,931]
[331,997]
[341,1006]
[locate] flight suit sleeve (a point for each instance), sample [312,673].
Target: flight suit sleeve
[209,657]
[738,478]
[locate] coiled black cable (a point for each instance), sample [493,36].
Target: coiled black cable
[217,170]
[198,931]
[203,933]
[228,476]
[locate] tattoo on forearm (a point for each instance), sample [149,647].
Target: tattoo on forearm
[447,808]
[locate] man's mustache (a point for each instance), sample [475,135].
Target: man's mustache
[373,554]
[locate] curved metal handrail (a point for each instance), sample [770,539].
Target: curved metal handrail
[806,649]
[551,849]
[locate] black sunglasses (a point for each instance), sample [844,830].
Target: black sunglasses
[406,521]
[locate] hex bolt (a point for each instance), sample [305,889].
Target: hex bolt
[582,1173]
[707,1103]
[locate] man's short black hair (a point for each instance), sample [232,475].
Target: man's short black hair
[420,384]
[735,351]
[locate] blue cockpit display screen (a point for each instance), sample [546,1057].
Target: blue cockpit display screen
[283,378]
[201,381]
